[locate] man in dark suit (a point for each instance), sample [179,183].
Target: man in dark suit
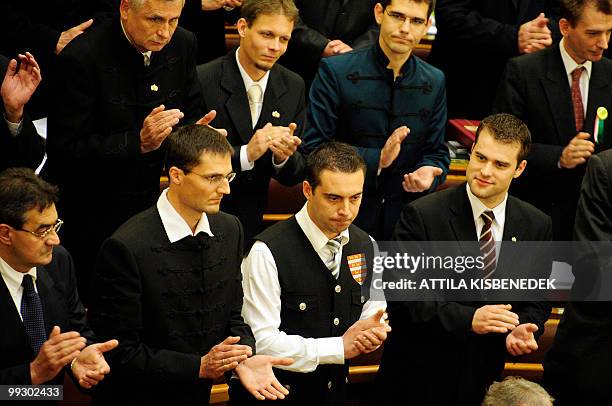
[461,346]
[169,287]
[557,92]
[124,84]
[577,367]
[497,30]
[20,144]
[42,317]
[326,28]
[264,132]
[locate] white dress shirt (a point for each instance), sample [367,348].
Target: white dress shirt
[13,280]
[499,211]
[14,128]
[175,226]
[262,305]
[570,65]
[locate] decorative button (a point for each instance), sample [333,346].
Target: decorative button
[338,288]
[154,88]
[302,306]
[336,321]
[362,299]
[329,385]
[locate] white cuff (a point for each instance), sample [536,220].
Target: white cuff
[14,128]
[330,350]
[245,164]
[279,166]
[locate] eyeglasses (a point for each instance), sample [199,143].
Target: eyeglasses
[400,18]
[43,234]
[214,179]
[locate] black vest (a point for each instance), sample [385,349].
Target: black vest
[314,304]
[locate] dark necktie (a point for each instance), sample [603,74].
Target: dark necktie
[487,243]
[32,314]
[577,98]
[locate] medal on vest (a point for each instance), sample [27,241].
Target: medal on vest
[357,266]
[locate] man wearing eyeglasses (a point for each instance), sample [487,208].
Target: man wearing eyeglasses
[391,106]
[43,320]
[168,285]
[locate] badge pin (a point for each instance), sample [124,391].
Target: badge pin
[275,114]
[513,239]
[154,88]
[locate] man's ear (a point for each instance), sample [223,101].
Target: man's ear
[520,168]
[124,6]
[564,26]
[307,190]
[241,26]
[5,238]
[378,13]
[175,175]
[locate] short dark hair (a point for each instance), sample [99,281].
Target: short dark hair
[430,3]
[21,190]
[185,145]
[507,129]
[251,9]
[333,156]
[572,10]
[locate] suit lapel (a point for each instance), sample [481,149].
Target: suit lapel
[558,95]
[271,111]
[44,285]
[237,104]
[462,220]
[599,96]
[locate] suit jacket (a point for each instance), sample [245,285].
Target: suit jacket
[56,285]
[27,148]
[321,21]
[535,88]
[451,364]
[485,27]
[101,100]
[168,304]
[223,90]
[577,367]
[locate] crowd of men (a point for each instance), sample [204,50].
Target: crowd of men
[186,286]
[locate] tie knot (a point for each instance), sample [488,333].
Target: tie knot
[255,93]
[487,217]
[576,73]
[27,283]
[334,245]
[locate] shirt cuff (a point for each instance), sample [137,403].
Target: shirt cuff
[245,164]
[330,350]
[279,166]
[14,128]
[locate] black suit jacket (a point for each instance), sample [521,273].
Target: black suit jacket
[56,285]
[577,368]
[432,352]
[485,27]
[223,90]
[168,304]
[535,88]
[27,148]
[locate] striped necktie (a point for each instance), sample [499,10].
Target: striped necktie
[333,263]
[487,244]
[32,314]
[577,98]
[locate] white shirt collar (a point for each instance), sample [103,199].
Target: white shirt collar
[314,234]
[246,79]
[176,227]
[570,64]
[478,207]
[146,54]
[12,278]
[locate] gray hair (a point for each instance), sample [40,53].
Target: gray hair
[516,391]
[139,3]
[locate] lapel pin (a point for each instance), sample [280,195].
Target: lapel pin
[275,114]
[513,239]
[154,88]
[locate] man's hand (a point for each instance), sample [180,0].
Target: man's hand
[90,366]
[521,340]
[207,118]
[365,335]
[208,5]
[157,126]
[58,351]
[534,35]
[284,146]
[223,357]
[494,319]
[421,179]
[577,151]
[335,47]
[257,377]
[263,138]
[392,147]
[19,86]
[71,34]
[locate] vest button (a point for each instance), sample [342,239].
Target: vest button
[329,385]
[362,299]
[336,321]
[338,288]
[302,306]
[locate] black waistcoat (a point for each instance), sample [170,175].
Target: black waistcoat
[314,304]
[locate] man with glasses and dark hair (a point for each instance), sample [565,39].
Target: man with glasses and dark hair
[391,106]
[44,325]
[168,285]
